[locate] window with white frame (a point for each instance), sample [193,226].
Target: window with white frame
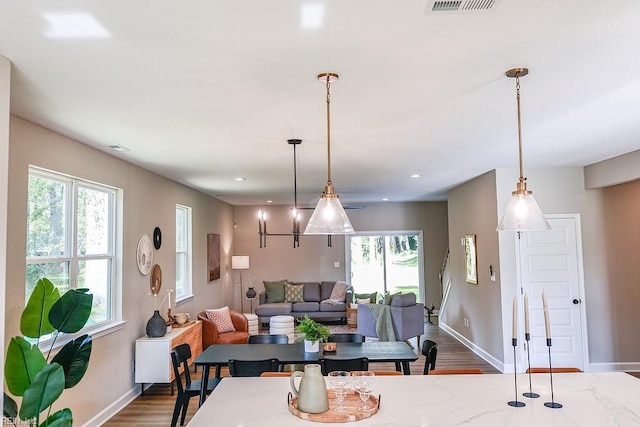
[71,240]
[183,252]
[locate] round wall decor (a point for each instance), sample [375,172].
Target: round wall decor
[156,279]
[157,238]
[144,254]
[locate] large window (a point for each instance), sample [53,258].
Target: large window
[183,252]
[385,262]
[71,239]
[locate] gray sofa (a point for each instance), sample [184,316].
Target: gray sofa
[407,318]
[315,305]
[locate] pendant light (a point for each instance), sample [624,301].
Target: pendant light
[329,216]
[522,213]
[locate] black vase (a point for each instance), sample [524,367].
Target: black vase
[156,326]
[251,293]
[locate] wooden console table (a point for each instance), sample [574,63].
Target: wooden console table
[153,355]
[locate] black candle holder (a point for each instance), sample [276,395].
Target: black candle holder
[515,403]
[530,393]
[553,404]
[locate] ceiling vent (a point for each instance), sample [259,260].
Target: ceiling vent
[438,6]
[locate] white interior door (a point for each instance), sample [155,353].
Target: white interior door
[552,261]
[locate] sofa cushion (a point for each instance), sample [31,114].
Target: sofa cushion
[305,307]
[333,307]
[373,297]
[221,318]
[311,291]
[389,297]
[293,293]
[403,300]
[325,290]
[274,309]
[275,290]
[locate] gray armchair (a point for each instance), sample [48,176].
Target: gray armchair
[403,316]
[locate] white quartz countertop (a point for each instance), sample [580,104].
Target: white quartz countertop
[600,399]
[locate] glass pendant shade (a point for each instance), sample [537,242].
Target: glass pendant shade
[523,214]
[329,217]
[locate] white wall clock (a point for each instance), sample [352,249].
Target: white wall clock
[144,254]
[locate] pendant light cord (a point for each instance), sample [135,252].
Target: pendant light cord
[519,127]
[328,131]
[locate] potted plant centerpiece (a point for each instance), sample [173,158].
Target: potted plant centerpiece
[314,332]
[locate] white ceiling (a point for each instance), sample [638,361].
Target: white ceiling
[206,91]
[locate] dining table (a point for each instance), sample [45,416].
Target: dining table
[587,399]
[218,355]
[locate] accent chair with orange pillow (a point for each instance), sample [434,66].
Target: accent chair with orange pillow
[223,326]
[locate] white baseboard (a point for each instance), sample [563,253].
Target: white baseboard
[474,348]
[111,410]
[615,367]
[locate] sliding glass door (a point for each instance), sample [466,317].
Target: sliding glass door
[385,262]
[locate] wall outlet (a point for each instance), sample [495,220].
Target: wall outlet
[336,264]
[466,322]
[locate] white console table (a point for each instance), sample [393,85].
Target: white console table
[153,355]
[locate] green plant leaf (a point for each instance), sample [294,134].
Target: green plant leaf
[10,407]
[34,322]
[74,359]
[70,313]
[62,418]
[43,391]
[22,364]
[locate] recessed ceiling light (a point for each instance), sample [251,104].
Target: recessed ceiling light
[69,25]
[312,15]
[269,201]
[239,179]
[416,175]
[385,200]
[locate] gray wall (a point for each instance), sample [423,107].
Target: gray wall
[313,260]
[149,201]
[472,210]
[610,236]
[5,88]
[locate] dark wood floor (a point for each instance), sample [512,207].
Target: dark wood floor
[155,408]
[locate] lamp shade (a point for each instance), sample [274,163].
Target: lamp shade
[240,262]
[523,214]
[329,217]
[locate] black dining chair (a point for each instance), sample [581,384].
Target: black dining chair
[269,339]
[430,352]
[180,356]
[252,368]
[358,364]
[346,338]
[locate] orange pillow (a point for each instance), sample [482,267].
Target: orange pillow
[221,318]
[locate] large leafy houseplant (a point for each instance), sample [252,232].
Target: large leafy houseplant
[38,380]
[312,330]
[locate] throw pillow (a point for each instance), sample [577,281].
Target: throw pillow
[293,293]
[373,298]
[389,297]
[363,301]
[275,290]
[221,318]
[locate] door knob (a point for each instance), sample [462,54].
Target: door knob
[576,301]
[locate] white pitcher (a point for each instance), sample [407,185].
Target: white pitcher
[312,393]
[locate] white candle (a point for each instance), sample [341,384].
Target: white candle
[514,332]
[545,308]
[526,314]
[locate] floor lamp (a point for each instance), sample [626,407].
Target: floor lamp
[240,262]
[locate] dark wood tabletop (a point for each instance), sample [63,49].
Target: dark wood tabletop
[218,355]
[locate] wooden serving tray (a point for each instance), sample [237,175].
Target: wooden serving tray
[351,403]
